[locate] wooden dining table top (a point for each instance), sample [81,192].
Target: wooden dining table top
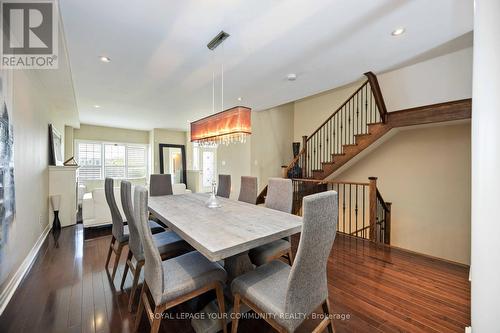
[222,232]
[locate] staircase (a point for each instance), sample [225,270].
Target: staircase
[355,125]
[359,122]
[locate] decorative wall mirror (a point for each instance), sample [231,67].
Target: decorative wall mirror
[173,162]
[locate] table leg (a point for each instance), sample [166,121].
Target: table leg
[237,265]
[207,321]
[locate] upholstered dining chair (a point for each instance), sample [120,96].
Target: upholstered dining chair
[175,280]
[283,291]
[119,230]
[224,186]
[169,244]
[279,197]
[248,190]
[160,185]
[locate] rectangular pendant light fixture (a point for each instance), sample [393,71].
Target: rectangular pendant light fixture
[231,125]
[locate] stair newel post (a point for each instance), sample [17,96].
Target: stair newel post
[372,192]
[387,228]
[304,166]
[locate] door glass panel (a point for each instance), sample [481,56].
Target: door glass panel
[208,168]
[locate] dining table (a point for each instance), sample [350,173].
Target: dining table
[225,233]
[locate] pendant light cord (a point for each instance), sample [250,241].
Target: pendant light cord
[222,88]
[213,92]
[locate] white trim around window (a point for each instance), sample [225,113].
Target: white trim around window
[120,160]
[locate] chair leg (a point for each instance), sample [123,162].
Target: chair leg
[327,311]
[220,301]
[137,274]
[236,312]
[290,257]
[118,254]
[113,239]
[125,271]
[155,324]
[138,315]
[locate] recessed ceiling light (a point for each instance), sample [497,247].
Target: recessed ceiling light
[398,32]
[240,99]
[97,106]
[291,77]
[105,59]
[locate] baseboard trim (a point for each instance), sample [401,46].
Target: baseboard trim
[14,282]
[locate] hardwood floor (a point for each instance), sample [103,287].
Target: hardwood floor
[372,289]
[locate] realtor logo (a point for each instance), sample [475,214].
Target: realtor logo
[29,34]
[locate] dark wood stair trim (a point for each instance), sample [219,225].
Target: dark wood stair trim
[377,94]
[435,113]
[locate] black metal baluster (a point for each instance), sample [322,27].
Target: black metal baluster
[356,131]
[343,208]
[356,207]
[329,140]
[364,210]
[350,208]
[308,159]
[349,124]
[365,126]
[337,135]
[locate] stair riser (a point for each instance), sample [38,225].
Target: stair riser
[349,151]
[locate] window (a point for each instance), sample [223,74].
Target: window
[137,157]
[208,168]
[90,161]
[114,161]
[98,160]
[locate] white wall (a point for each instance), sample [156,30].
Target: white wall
[311,112]
[271,146]
[485,270]
[30,111]
[425,173]
[441,79]
[234,160]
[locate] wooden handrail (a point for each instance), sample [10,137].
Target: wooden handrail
[382,202]
[320,181]
[338,109]
[377,93]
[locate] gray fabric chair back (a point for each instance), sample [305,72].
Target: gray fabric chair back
[116,217]
[160,185]
[134,241]
[280,194]
[224,186]
[153,272]
[248,190]
[307,284]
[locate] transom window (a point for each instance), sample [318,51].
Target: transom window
[98,160]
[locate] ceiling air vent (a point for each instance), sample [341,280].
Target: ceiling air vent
[217,40]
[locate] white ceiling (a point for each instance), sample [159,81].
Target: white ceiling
[160,75]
